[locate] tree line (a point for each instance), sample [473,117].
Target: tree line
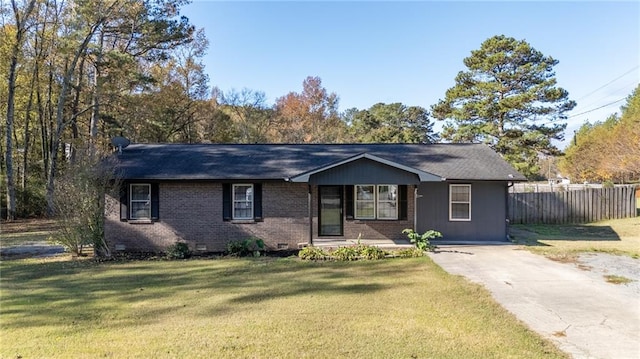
[72,69]
[607,150]
[76,73]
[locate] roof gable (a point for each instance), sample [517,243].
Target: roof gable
[422,175]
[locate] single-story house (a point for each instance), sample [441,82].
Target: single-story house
[291,195]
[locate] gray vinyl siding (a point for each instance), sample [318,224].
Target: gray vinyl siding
[363,171]
[488,212]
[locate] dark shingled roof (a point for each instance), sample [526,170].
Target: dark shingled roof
[280,161]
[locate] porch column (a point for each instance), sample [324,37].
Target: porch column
[310,216]
[415,208]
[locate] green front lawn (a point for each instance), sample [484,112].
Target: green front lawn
[616,236]
[253,308]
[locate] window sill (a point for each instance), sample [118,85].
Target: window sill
[140,221]
[243,221]
[358,220]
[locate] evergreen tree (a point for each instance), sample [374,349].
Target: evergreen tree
[392,123]
[507,98]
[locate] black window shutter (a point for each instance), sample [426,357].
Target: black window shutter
[124,201]
[348,201]
[257,201]
[402,201]
[155,201]
[226,201]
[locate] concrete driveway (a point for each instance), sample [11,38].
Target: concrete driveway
[584,315]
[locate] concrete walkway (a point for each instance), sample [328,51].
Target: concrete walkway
[585,316]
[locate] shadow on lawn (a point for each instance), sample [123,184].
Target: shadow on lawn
[532,234]
[84,293]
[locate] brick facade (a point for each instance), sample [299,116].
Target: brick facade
[193,213]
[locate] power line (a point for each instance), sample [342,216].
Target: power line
[609,83]
[626,88]
[597,108]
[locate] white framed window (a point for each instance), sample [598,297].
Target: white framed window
[365,201]
[242,201]
[376,201]
[140,201]
[460,202]
[387,201]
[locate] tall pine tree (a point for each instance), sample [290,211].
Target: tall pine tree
[507,98]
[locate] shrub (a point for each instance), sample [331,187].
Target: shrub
[349,253]
[370,252]
[79,203]
[313,253]
[31,202]
[179,250]
[410,253]
[245,247]
[608,184]
[422,241]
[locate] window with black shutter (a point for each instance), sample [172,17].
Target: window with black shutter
[139,201]
[348,201]
[402,202]
[124,202]
[242,201]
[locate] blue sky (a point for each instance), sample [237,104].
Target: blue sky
[410,52]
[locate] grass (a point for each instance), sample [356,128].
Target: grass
[14,239]
[19,232]
[253,308]
[617,279]
[619,236]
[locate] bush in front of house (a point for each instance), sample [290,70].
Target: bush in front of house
[410,253]
[179,250]
[245,247]
[347,253]
[422,241]
[370,252]
[312,253]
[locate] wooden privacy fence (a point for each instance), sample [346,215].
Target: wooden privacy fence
[580,206]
